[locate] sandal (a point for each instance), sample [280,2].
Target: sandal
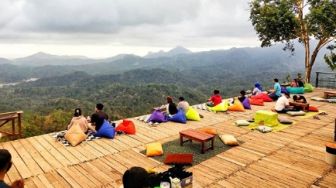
[316,117]
[323,113]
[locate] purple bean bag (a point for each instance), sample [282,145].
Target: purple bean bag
[157,116]
[246,103]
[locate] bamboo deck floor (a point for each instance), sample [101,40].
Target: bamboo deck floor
[293,157]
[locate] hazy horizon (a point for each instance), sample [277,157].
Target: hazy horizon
[110,27]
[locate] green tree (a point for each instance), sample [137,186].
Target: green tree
[289,20]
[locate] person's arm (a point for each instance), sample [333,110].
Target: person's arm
[18,184]
[70,124]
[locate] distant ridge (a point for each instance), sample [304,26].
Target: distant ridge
[173,52]
[41,59]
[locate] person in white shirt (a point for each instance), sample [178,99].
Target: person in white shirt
[282,104]
[257,89]
[183,105]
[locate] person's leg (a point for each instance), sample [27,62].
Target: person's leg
[273,96]
[210,104]
[283,111]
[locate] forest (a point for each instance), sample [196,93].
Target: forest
[127,91]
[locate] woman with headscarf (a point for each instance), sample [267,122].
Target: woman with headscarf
[79,120]
[257,89]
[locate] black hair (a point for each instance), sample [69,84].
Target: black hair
[181,98]
[97,120]
[276,80]
[135,177]
[216,91]
[169,99]
[242,92]
[5,160]
[287,94]
[78,112]
[295,97]
[99,106]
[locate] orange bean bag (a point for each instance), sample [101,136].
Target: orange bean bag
[208,130]
[312,109]
[126,126]
[237,106]
[256,101]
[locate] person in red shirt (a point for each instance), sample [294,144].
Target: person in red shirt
[215,99]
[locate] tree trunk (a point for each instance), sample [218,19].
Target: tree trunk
[308,74]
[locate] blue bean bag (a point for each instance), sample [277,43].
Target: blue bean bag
[295,90]
[157,116]
[284,90]
[106,130]
[246,103]
[179,117]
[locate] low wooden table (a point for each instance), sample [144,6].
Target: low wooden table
[328,94]
[198,136]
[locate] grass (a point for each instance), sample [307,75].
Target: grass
[191,147]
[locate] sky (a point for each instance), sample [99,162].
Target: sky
[104,28]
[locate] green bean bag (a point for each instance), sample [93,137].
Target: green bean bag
[192,114]
[221,107]
[264,117]
[295,90]
[308,88]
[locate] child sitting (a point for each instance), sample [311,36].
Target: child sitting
[215,99]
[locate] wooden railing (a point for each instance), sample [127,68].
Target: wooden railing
[15,119]
[325,79]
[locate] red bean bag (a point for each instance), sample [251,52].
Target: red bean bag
[312,109]
[264,97]
[256,101]
[126,126]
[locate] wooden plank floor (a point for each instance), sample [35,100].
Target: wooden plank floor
[293,157]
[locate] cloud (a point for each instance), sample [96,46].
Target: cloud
[193,23]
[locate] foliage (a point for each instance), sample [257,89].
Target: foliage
[286,21]
[330,58]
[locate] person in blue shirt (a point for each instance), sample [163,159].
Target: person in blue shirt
[276,92]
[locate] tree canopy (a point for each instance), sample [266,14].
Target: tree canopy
[303,20]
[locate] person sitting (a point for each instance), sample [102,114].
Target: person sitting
[5,165]
[171,106]
[183,105]
[135,177]
[168,109]
[282,104]
[100,112]
[294,83]
[299,80]
[300,103]
[276,92]
[215,99]
[257,89]
[97,121]
[80,120]
[242,96]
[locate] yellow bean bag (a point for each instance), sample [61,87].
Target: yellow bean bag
[237,106]
[192,114]
[75,135]
[154,149]
[221,107]
[264,117]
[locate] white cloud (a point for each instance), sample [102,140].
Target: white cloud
[132,24]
